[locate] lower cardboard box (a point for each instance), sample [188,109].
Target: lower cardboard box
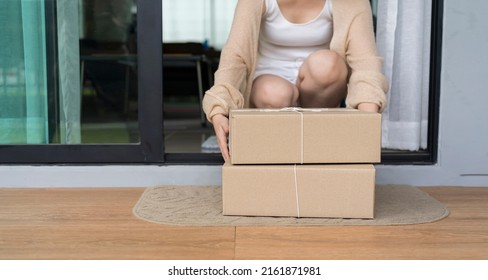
[328,191]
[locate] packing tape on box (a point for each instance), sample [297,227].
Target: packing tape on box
[294,109]
[300,111]
[296,190]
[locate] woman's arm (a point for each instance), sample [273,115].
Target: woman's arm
[237,61]
[236,65]
[367,84]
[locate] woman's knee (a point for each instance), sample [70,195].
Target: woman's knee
[273,92]
[324,67]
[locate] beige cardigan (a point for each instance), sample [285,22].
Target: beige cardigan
[353,39]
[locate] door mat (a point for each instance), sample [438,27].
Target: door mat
[202,206]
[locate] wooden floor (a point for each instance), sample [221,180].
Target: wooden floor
[98,224]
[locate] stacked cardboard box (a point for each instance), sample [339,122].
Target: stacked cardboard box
[302,163]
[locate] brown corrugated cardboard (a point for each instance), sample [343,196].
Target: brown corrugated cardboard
[294,135]
[345,191]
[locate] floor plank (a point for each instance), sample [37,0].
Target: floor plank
[463,235]
[98,224]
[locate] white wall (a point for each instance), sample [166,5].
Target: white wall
[463,131]
[106,176]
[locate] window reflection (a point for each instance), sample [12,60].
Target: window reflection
[193,34]
[108,55]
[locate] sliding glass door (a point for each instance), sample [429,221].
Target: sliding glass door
[80,81]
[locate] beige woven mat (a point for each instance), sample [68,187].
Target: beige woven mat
[202,206]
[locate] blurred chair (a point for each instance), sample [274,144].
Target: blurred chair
[190,55]
[105,65]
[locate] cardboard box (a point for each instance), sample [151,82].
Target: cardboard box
[267,136]
[335,191]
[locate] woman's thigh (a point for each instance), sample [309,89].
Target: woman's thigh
[271,91]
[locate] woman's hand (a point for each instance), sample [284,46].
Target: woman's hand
[368,107]
[221,128]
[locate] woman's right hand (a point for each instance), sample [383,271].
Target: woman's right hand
[221,128]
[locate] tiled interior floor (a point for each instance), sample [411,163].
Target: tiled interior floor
[111,133]
[185,135]
[181,135]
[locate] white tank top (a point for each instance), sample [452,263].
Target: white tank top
[281,41]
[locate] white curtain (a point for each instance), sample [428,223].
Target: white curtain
[403,39]
[206,21]
[69,71]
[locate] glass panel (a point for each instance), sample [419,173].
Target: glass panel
[69,75]
[109,71]
[374,8]
[193,34]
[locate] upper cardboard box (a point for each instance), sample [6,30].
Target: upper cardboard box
[300,136]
